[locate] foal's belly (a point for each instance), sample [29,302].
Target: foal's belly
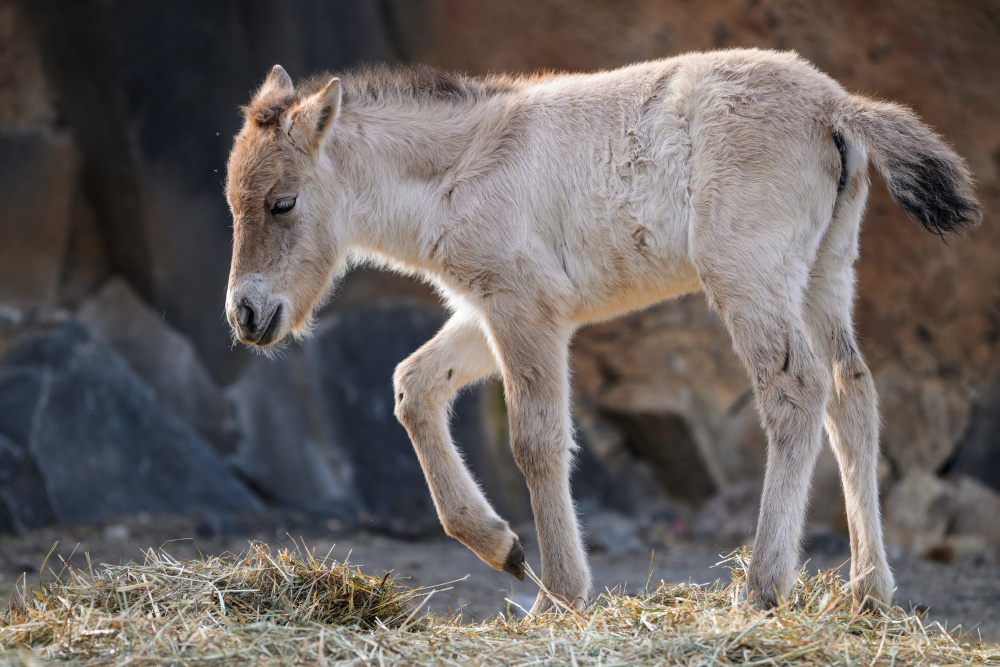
[629,295]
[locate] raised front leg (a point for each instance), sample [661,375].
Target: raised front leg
[425,385]
[534,364]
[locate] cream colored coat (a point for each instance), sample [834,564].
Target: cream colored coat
[542,203]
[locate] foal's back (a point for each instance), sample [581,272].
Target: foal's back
[621,165]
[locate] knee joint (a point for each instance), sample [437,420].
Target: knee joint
[416,391]
[541,456]
[407,392]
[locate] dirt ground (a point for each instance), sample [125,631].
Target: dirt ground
[965,593]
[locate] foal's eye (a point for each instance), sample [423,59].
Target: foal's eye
[283,206]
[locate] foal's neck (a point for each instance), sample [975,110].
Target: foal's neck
[397,157]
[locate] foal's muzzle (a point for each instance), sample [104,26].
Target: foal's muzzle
[255,316]
[256,330]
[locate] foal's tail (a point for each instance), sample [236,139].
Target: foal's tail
[928,180]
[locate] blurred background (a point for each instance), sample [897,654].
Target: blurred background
[122,395]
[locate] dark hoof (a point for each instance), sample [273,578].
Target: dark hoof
[515,560]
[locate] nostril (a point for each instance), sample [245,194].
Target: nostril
[245,315]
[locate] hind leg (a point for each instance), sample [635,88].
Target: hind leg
[761,307]
[852,420]
[761,202]
[791,388]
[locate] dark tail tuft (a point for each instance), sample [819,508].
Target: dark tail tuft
[926,178]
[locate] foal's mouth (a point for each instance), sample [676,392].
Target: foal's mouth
[269,334]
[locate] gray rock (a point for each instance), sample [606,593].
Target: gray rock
[978,452]
[37,179]
[352,358]
[163,358]
[99,441]
[612,532]
[285,449]
[24,504]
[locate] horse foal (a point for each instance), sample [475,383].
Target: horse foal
[538,204]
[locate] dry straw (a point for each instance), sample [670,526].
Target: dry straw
[281,608]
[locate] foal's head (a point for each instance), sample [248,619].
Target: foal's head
[285,251]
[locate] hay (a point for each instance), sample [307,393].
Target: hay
[263,608]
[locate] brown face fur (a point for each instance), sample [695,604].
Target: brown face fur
[282,261]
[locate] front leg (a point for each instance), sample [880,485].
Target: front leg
[425,385]
[533,359]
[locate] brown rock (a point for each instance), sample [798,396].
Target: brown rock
[85,266]
[37,182]
[979,452]
[942,518]
[917,513]
[925,418]
[729,515]
[25,97]
[673,366]
[975,508]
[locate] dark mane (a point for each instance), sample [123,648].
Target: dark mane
[378,83]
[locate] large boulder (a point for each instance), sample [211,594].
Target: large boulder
[285,451]
[97,438]
[353,357]
[163,358]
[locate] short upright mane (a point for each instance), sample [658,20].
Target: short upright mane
[376,84]
[382,83]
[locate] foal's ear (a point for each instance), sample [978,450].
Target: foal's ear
[315,115]
[277,82]
[272,99]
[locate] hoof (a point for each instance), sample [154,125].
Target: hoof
[543,605]
[873,591]
[868,605]
[759,600]
[515,560]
